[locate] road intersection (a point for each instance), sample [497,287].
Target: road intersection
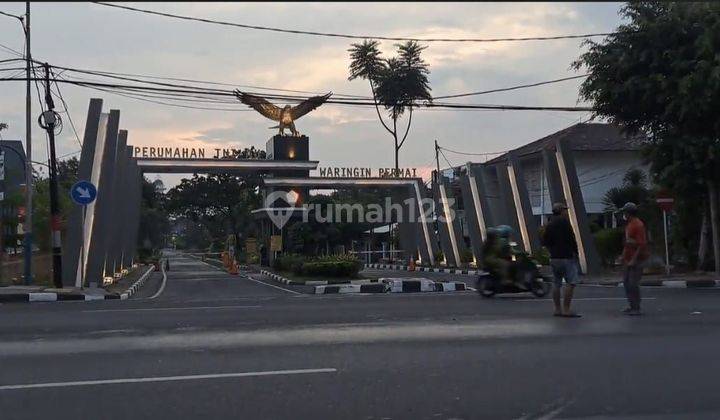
[211,345]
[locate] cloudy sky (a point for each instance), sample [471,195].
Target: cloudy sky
[91,36]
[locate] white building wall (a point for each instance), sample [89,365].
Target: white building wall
[597,173]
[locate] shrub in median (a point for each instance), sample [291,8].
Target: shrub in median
[290,262]
[324,266]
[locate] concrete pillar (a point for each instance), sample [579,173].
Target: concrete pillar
[117,198]
[133,206]
[127,208]
[588,254]
[75,230]
[427,242]
[521,203]
[507,213]
[451,240]
[134,220]
[103,217]
[477,208]
[552,174]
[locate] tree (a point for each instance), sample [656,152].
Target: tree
[221,203]
[634,189]
[396,83]
[660,74]
[154,223]
[3,126]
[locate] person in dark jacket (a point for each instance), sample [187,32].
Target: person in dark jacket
[559,239]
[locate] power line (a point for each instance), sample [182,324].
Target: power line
[177,79]
[160,102]
[195,90]
[509,88]
[446,159]
[335,35]
[67,111]
[8,60]
[69,154]
[20,18]
[472,154]
[42,109]
[11,51]
[133,77]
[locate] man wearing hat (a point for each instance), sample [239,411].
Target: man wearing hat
[634,253]
[559,239]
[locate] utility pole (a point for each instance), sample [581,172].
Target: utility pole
[28,227]
[437,160]
[49,120]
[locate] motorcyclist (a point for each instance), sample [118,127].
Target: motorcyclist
[498,254]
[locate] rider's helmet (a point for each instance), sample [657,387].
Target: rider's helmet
[504,231]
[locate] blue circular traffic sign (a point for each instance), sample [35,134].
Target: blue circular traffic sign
[83,192]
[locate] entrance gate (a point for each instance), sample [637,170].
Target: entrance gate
[491,194]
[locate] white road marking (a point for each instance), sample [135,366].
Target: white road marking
[183,308]
[272,285]
[166,378]
[162,285]
[576,299]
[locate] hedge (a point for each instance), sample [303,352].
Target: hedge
[325,266]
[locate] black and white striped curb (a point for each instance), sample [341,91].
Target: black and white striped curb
[287,281]
[394,285]
[402,285]
[425,269]
[351,288]
[56,297]
[135,287]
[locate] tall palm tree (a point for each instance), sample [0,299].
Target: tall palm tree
[397,83]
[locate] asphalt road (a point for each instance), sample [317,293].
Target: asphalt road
[210,345]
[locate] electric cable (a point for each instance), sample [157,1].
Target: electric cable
[347,36]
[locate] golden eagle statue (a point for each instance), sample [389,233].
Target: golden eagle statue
[285,116]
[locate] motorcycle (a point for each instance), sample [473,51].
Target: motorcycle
[529,279]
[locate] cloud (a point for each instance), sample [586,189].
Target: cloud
[91,36]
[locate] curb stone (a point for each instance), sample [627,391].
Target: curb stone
[394,285]
[287,281]
[58,297]
[351,288]
[426,269]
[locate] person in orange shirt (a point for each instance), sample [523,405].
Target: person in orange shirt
[635,252]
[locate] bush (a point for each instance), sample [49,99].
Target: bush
[325,266]
[289,262]
[542,256]
[331,268]
[148,255]
[609,243]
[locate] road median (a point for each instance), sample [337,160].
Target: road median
[14,294]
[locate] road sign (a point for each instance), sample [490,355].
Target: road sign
[665,203]
[83,193]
